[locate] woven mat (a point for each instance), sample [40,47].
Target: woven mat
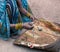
[43,34]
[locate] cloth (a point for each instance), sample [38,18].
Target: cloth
[5,20]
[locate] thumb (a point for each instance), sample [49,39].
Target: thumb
[31,23]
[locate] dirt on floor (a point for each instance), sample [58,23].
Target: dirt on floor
[48,9]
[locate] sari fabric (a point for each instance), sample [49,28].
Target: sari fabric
[5,20]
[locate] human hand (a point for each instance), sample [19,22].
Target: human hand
[28,25]
[32,17]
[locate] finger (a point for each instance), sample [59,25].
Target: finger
[32,19]
[31,27]
[31,23]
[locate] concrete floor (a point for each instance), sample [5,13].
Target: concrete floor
[48,9]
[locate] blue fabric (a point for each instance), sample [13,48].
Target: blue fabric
[4,22]
[25,5]
[15,12]
[4,19]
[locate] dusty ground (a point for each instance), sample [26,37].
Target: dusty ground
[7,46]
[49,9]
